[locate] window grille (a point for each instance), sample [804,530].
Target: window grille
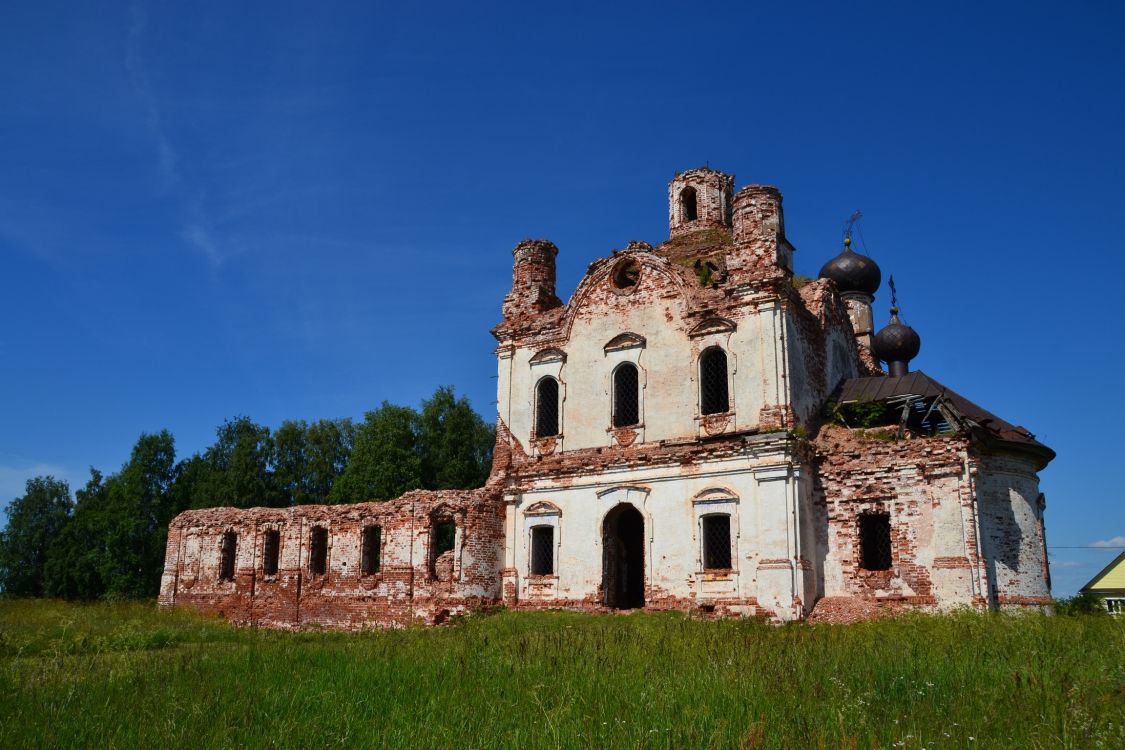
[542,550]
[716,543]
[547,408]
[226,559]
[713,397]
[445,535]
[318,551]
[372,545]
[1115,606]
[626,397]
[875,541]
[270,553]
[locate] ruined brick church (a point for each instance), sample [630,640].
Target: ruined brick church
[695,429]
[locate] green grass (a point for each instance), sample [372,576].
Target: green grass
[131,675]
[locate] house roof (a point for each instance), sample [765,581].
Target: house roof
[918,383]
[1111,579]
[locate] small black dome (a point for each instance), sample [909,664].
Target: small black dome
[853,272]
[897,342]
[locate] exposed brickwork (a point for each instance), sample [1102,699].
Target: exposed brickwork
[965,515]
[409,586]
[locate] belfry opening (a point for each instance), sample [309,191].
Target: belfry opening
[623,558]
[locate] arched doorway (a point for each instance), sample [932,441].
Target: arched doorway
[623,558]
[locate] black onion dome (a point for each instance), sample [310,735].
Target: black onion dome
[896,342]
[853,272]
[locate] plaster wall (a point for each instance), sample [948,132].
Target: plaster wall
[758,493]
[666,351]
[1011,520]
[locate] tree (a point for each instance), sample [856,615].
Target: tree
[34,521]
[454,442]
[309,458]
[384,460]
[236,469]
[113,546]
[138,508]
[74,558]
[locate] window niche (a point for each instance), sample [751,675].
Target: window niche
[716,526]
[318,551]
[547,408]
[271,552]
[689,208]
[542,550]
[227,550]
[716,542]
[875,541]
[443,540]
[371,550]
[626,396]
[714,397]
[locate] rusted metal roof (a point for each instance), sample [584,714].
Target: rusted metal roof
[920,384]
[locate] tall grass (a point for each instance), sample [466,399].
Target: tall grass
[131,675]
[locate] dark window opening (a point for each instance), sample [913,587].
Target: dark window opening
[688,204]
[713,396]
[547,408]
[372,546]
[318,551]
[716,543]
[271,552]
[875,541]
[626,397]
[542,551]
[445,534]
[627,274]
[226,559]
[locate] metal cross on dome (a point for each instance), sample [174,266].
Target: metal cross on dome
[894,294]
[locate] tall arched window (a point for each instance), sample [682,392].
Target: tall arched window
[688,209]
[226,556]
[547,408]
[713,395]
[626,396]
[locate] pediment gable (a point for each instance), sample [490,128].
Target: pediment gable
[627,340]
[550,354]
[712,325]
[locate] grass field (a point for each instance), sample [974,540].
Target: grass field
[131,675]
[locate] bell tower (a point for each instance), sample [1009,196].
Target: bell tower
[698,199]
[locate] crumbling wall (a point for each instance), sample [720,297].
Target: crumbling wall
[923,484]
[822,348]
[409,585]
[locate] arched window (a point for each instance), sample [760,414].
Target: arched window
[713,396]
[547,408]
[271,552]
[687,204]
[626,396]
[542,550]
[372,543]
[226,557]
[318,551]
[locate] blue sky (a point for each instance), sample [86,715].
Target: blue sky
[298,210]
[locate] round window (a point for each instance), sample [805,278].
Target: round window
[626,275]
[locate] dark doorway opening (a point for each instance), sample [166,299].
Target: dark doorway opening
[623,558]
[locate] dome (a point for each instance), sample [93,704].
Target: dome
[897,342]
[852,272]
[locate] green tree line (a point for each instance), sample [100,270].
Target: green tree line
[108,542]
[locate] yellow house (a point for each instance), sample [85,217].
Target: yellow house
[1110,586]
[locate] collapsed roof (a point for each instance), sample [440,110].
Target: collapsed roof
[940,409]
